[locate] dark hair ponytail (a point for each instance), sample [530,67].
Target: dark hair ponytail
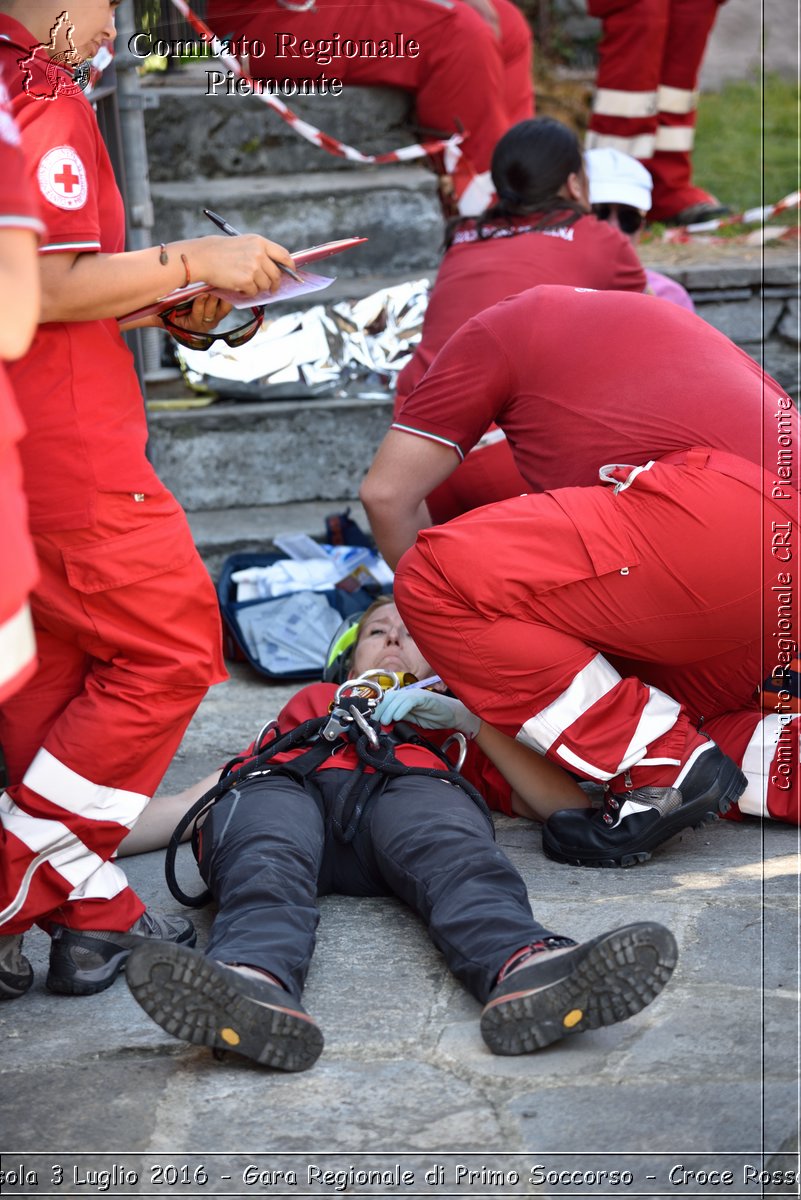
[530,163]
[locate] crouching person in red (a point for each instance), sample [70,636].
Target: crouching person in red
[125,615]
[639,598]
[361,809]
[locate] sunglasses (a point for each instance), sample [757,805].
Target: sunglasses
[629,219]
[204,341]
[386,680]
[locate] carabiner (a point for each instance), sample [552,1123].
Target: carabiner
[461,742]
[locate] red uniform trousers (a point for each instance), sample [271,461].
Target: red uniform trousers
[767,750]
[17,576]
[464,78]
[645,103]
[527,607]
[129,640]
[516,50]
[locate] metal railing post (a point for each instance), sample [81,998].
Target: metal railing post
[145,343]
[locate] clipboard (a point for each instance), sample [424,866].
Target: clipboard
[287,290]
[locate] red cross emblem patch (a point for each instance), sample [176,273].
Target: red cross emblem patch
[62,178]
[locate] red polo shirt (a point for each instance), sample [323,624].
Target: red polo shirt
[76,387]
[578,379]
[487,264]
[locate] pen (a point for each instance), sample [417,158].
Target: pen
[424,683]
[222,224]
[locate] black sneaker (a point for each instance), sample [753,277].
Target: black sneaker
[632,824]
[598,983]
[704,210]
[84,961]
[208,1004]
[16,973]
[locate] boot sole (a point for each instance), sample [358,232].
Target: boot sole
[14,986]
[610,979]
[728,786]
[90,982]
[191,998]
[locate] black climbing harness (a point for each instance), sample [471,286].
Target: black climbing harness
[351,719]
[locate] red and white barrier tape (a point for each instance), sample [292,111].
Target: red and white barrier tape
[697,233]
[466,181]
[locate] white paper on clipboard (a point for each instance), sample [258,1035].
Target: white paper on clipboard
[288,289]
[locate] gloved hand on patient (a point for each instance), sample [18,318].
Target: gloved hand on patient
[429,710]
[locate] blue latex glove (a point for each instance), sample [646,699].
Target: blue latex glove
[429,710]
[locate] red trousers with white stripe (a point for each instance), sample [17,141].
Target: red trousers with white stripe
[558,617]
[464,77]
[17,575]
[128,634]
[645,104]
[767,749]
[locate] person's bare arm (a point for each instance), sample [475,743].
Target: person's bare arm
[19,291]
[405,469]
[154,828]
[93,286]
[539,787]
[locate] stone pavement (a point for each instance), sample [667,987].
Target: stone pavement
[704,1079]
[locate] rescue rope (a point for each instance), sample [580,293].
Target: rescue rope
[354,796]
[229,779]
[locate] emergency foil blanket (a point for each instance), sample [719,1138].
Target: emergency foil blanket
[327,350]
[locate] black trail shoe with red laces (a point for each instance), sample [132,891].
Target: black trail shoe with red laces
[208,1004]
[631,825]
[600,982]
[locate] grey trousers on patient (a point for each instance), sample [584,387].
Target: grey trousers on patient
[267,850]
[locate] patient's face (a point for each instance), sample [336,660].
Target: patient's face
[385,643]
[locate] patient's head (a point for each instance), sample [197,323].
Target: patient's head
[383,641]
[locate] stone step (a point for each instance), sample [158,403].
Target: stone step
[395,207]
[190,132]
[237,454]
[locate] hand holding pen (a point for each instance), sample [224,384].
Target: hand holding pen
[222,224]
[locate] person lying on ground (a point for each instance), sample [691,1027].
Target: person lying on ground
[360,812]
